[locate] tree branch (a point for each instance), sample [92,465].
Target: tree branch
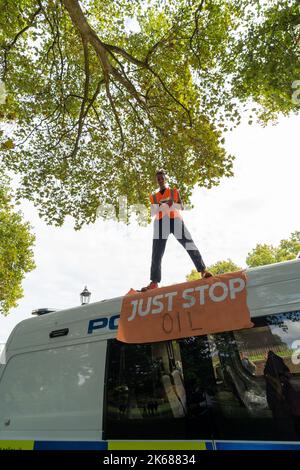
[13,42]
[125,54]
[171,94]
[38,125]
[196,29]
[85,96]
[115,111]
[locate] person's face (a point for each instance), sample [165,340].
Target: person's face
[161,180]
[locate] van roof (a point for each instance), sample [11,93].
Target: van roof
[281,293]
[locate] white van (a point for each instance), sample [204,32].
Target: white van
[67,383]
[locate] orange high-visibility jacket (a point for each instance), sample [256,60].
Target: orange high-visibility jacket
[169,193]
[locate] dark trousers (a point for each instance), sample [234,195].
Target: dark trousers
[162,229]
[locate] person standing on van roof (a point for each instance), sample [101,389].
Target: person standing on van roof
[165,206]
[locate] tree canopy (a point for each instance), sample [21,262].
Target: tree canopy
[16,255]
[220,267]
[268,254]
[101,93]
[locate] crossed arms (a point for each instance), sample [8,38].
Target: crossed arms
[167,205]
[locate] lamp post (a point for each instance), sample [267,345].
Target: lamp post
[85,296]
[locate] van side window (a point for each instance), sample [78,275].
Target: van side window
[151,390]
[257,373]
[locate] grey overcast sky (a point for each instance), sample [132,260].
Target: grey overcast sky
[260,204]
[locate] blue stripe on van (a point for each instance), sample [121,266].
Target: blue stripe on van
[257,445]
[70,445]
[209,445]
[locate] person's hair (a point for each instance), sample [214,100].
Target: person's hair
[160,172]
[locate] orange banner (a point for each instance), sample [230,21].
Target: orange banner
[194,308]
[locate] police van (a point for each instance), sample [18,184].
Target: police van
[67,383]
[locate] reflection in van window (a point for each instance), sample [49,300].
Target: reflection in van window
[258,380]
[145,389]
[158,390]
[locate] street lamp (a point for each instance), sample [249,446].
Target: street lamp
[85,296]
